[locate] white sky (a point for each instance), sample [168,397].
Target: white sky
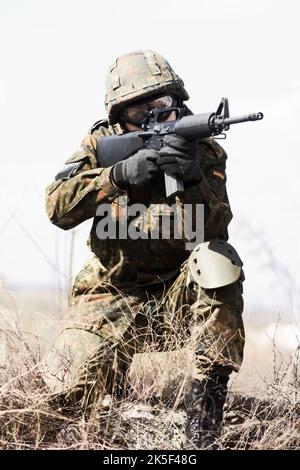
[53,59]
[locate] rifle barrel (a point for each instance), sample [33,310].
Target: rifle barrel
[237,119]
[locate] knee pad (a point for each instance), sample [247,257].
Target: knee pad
[214,264]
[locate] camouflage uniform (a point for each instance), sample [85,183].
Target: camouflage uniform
[129,285]
[146,265]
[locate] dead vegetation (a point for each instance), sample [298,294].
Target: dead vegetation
[148,417]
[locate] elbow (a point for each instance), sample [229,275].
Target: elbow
[58,216]
[63,223]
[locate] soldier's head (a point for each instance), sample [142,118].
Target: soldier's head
[140,81]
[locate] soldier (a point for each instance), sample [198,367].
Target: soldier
[133,290]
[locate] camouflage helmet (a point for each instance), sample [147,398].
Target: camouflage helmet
[138,75]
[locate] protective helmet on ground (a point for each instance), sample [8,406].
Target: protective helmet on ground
[138,75]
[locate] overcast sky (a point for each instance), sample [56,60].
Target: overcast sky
[53,59]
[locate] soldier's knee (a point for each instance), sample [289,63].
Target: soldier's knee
[71,351]
[216,268]
[231,294]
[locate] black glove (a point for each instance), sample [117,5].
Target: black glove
[179,157]
[136,170]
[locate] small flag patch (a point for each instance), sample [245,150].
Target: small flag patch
[219,173]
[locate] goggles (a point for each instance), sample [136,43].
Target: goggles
[138,113]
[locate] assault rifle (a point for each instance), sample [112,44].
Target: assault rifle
[112,149]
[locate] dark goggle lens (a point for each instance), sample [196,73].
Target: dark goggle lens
[137,113]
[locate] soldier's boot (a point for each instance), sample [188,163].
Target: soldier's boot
[204,404]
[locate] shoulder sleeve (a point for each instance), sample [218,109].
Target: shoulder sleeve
[81,185]
[211,190]
[213,162]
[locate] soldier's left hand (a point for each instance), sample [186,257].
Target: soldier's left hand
[179,157]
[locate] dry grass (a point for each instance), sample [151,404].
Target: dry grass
[151,417]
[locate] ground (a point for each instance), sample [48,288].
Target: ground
[262,409]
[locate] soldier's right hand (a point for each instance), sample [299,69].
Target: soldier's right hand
[137,170]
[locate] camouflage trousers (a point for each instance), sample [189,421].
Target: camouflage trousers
[108,324]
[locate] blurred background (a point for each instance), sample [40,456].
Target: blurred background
[53,59]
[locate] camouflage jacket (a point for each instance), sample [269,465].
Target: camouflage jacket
[77,192]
